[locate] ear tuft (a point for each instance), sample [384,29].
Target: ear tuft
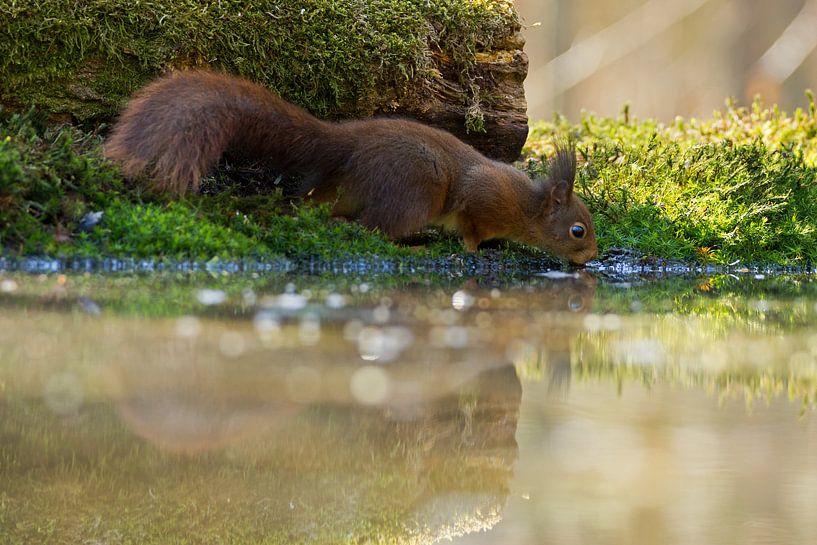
[562,173]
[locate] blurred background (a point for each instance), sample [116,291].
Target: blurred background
[667,57]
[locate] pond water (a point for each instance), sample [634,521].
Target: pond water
[565,408]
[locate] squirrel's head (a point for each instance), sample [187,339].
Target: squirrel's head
[563,224]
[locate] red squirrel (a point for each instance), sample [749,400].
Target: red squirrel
[394,175]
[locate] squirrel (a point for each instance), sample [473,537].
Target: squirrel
[394,175]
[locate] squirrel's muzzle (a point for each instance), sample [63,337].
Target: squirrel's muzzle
[584,257]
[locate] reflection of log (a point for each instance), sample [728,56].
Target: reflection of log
[466,492]
[367,474]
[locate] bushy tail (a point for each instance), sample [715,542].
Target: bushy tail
[175,130]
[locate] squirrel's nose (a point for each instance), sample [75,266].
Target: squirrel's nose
[584,257]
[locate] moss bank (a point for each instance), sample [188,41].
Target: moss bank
[334,57]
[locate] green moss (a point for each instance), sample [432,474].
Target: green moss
[49,178]
[297,231]
[148,229]
[740,186]
[333,57]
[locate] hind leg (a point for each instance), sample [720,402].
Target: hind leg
[395,223]
[400,198]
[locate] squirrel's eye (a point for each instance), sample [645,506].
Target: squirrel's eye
[577,230]
[575,303]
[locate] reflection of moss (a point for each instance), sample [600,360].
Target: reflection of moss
[731,337]
[696,353]
[171,294]
[333,57]
[777,303]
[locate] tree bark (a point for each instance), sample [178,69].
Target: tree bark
[500,75]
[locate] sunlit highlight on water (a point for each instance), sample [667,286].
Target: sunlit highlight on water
[232,344]
[370,385]
[211,297]
[188,327]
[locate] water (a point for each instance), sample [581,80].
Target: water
[268,407]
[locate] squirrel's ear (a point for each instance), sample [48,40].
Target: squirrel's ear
[558,187]
[561,174]
[560,192]
[554,195]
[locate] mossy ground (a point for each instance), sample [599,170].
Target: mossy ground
[741,186]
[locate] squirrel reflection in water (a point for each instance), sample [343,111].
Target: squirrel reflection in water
[444,436]
[449,458]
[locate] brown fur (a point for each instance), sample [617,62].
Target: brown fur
[389,174]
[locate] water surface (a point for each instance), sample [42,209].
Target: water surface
[272,408]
